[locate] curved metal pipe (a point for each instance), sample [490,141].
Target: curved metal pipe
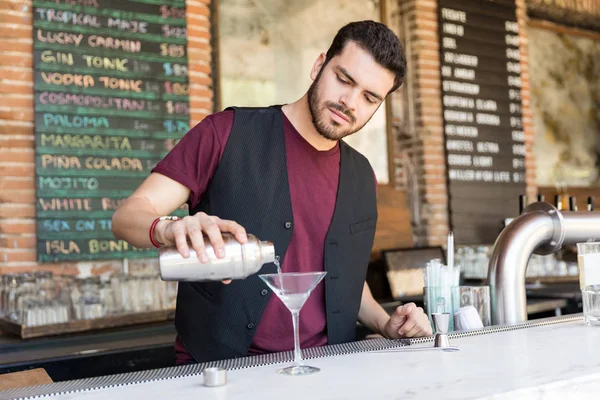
[580,227]
[506,273]
[541,229]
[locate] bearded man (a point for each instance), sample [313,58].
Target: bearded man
[284,174]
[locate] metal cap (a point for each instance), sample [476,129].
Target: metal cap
[267,251]
[214,376]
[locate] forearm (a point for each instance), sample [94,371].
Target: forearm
[132,222]
[371,313]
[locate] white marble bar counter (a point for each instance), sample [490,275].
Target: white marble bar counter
[558,358]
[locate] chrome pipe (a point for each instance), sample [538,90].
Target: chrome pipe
[541,229]
[580,227]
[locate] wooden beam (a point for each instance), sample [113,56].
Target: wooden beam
[16,380]
[552,26]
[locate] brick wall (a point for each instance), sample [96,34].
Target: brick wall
[17,144]
[530,179]
[419,133]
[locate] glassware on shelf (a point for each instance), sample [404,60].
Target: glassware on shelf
[64,285]
[118,285]
[474,261]
[88,304]
[4,290]
[11,295]
[148,299]
[26,292]
[107,296]
[44,298]
[47,288]
[35,312]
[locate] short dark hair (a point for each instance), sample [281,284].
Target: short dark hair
[378,40]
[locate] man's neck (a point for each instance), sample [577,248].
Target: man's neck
[299,115]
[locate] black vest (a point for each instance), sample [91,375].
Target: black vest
[250,186]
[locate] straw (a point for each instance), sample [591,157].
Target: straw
[451,250]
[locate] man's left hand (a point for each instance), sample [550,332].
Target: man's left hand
[408,321]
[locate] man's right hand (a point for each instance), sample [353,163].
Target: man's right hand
[190,230]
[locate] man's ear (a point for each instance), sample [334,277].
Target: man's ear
[317,66]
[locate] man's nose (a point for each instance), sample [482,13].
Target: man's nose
[349,100]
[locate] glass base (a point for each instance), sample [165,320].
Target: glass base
[591,321]
[298,370]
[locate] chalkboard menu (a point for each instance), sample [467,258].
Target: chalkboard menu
[111,99]
[481,98]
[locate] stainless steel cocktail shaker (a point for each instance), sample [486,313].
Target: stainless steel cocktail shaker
[241,260]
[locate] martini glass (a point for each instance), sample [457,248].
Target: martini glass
[293,288]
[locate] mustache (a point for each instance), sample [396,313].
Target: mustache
[340,108]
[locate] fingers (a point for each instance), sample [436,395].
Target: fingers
[422,321]
[213,232]
[415,331]
[194,232]
[407,309]
[231,226]
[411,321]
[408,326]
[394,323]
[178,233]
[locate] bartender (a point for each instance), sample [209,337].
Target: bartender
[284,174]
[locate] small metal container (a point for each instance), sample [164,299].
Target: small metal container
[240,261]
[440,322]
[214,377]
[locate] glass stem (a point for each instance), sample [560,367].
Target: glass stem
[296,324]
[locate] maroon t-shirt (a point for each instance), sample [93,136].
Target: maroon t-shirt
[313,179]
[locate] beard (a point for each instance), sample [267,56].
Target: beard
[321,119]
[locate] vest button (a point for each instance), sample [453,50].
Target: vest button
[288,225]
[264,292]
[250,326]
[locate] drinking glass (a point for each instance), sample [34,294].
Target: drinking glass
[476,296]
[591,305]
[293,289]
[588,261]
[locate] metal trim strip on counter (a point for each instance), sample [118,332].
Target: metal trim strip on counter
[104,382]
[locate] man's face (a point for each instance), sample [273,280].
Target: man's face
[347,91]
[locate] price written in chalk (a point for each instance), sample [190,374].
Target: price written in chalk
[178,107]
[179,89]
[112,98]
[175,69]
[172,50]
[173,126]
[172,12]
[174,31]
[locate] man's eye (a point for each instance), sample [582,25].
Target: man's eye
[370,100]
[341,80]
